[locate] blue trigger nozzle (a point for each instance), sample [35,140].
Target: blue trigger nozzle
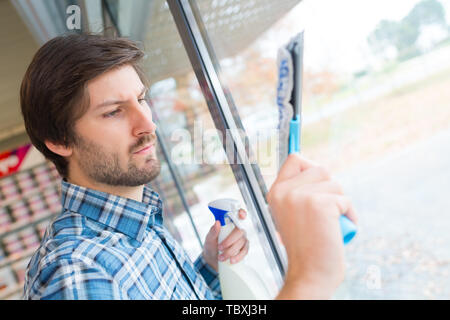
[222,207]
[219,214]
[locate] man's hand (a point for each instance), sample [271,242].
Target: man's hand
[234,247]
[306,203]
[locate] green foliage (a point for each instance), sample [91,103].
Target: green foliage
[427,12]
[404,34]
[383,36]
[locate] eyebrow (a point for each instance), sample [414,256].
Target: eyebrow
[112,102]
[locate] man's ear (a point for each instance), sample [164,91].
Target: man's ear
[59,149]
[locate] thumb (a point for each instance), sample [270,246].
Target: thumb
[215,229]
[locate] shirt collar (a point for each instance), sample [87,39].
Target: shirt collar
[125,215]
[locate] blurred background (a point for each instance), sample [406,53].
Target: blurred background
[376,112]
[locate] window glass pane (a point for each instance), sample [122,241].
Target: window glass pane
[193,144]
[375,111]
[238,31]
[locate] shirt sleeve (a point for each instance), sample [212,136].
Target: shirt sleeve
[74,280]
[210,275]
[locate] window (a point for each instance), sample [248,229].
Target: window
[375,112]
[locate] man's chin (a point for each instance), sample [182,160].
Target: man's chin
[153,168]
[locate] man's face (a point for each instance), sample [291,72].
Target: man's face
[115,138]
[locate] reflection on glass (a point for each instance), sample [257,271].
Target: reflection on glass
[185,124]
[50,18]
[376,111]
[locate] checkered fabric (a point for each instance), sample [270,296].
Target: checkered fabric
[104,246]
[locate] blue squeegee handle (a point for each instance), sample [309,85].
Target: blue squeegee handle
[348,228]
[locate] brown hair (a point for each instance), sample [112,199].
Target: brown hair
[53,94]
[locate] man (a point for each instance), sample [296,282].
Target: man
[83,103]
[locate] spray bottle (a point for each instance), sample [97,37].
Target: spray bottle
[238,281]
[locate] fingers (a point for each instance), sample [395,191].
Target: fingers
[235,246]
[311,175]
[301,182]
[241,255]
[242,214]
[232,238]
[343,204]
[293,165]
[316,180]
[347,209]
[233,250]
[331,186]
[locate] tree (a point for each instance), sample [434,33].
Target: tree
[427,12]
[407,33]
[404,34]
[383,36]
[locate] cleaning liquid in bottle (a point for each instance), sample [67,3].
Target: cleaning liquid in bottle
[238,281]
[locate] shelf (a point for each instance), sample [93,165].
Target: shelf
[19,226]
[51,183]
[46,163]
[28,194]
[27,253]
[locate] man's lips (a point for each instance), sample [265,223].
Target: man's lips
[145,149]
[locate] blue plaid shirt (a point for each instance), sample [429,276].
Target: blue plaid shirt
[104,246]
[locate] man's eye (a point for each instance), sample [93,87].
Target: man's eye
[111,114]
[141,100]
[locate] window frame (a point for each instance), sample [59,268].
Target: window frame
[225,116]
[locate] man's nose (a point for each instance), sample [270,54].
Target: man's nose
[142,121]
